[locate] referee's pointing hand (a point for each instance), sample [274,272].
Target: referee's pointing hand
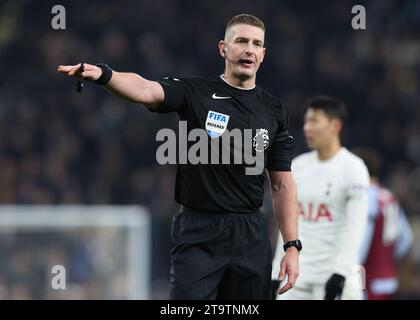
[91,72]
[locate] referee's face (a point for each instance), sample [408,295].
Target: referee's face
[243,49]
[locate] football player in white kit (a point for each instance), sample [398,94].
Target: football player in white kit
[332,185]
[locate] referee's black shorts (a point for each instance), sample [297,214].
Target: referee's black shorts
[220,256]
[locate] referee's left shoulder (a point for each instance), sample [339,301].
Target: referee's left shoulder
[272,101]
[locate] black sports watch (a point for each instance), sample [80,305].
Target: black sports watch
[294,243]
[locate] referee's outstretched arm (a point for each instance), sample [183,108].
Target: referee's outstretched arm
[129,86]
[283,189]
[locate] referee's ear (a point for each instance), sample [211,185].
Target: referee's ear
[222,48]
[262,59]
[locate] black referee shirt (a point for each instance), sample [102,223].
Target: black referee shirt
[225,188]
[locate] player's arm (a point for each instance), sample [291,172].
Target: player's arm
[350,238]
[284,194]
[405,236]
[368,236]
[129,86]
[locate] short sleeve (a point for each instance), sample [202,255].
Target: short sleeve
[280,153]
[175,95]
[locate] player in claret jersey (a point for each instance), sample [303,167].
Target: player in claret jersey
[388,235]
[332,188]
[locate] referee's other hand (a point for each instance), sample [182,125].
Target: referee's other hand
[91,72]
[289,266]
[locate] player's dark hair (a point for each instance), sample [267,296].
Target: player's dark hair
[245,19]
[371,158]
[333,107]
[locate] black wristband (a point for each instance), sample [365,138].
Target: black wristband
[106,74]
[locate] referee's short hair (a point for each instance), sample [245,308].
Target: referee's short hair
[245,19]
[333,107]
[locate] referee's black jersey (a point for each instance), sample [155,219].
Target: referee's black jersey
[204,103]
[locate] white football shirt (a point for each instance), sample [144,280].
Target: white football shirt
[333,205]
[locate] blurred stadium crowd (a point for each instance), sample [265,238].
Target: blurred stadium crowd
[58,146]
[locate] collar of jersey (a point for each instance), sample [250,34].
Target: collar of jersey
[235,87]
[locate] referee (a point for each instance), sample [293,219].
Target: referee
[220,244]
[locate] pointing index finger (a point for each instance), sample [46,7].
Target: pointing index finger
[64,68]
